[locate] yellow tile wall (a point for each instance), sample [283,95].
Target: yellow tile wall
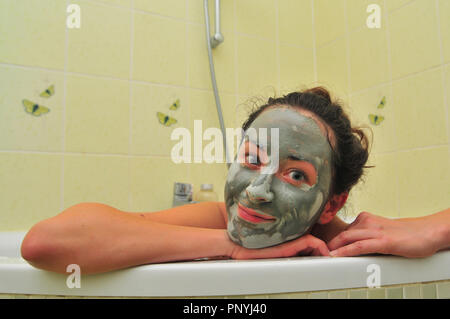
[405,61]
[101,140]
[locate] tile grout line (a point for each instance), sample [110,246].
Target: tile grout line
[347,48]
[391,92]
[444,89]
[66,61]
[130,103]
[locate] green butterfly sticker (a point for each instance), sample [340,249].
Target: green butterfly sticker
[175,105]
[165,120]
[382,103]
[376,119]
[48,92]
[34,108]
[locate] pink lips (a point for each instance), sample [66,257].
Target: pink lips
[252,216]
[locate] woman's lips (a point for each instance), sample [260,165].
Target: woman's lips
[252,216]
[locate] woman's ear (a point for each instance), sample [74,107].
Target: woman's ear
[332,207]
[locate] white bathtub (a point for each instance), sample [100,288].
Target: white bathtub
[219,277]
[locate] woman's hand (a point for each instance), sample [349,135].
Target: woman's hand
[305,245]
[407,237]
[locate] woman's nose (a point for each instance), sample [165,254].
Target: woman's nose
[259,190]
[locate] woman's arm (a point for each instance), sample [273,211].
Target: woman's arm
[101,238]
[408,237]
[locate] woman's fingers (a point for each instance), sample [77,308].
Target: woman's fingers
[368,246]
[351,235]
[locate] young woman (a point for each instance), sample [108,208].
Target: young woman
[270,211]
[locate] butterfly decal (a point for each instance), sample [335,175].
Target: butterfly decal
[34,108]
[376,119]
[175,105]
[48,92]
[165,120]
[382,103]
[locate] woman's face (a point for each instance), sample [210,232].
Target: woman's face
[266,208]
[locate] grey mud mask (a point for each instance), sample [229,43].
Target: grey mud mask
[267,209]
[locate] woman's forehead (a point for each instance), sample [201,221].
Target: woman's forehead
[324,128]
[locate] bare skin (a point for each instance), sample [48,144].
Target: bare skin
[101,238]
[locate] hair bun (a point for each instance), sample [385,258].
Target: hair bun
[320,91]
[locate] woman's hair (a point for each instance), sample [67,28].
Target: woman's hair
[350,144]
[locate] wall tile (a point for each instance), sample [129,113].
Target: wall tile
[102,179]
[357,13]
[159,56]
[368,58]
[31,189]
[332,67]
[296,68]
[428,291]
[395,4]
[414,38]
[171,8]
[198,61]
[329,13]
[256,17]
[97,115]
[257,65]
[196,13]
[371,197]
[148,135]
[424,177]
[21,130]
[411,292]
[339,294]
[123,3]
[33,32]
[318,295]
[357,294]
[101,48]
[444,19]
[394,293]
[383,136]
[418,108]
[152,180]
[295,23]
[443,290]
[376,293]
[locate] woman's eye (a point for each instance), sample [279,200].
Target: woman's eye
[297,176]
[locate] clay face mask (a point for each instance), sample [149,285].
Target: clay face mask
[266,209]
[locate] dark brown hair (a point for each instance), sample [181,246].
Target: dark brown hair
[350,145]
